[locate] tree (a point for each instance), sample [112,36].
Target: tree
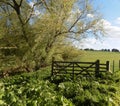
[37,37]
[61,22]
[115,50]
[16,28]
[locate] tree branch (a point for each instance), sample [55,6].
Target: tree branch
[44,2]
[32,9]
[7,3]
[80,16]
[20,3]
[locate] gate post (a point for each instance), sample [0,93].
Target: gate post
[107,65]
[97,68]
[113,66]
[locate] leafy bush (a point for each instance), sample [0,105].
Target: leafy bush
[34,89]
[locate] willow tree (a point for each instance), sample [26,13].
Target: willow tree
[38,36]
[64,21]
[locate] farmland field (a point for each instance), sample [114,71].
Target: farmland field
[103,57]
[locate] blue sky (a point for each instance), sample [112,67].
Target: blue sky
[110,10]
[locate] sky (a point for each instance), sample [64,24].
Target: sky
[110,10]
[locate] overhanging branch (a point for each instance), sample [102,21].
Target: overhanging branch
[32,9]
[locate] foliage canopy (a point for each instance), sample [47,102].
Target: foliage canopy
[33,30]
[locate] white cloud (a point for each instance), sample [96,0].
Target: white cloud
[105,22]
[111,30]
[117,21]
[90,15]
[91,40]
[110,41]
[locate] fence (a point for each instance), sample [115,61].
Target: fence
[79,68]
[115,65]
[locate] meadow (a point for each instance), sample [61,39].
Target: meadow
[103,57]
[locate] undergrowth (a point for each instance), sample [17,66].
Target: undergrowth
[39,89]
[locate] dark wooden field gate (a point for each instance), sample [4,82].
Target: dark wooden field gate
[79,68]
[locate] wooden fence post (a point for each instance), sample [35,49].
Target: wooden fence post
[107,65]
[113,66]
[97,68]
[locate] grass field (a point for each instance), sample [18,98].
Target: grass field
[103,57]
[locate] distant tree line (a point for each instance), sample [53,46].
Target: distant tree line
[115,50]
[107,50]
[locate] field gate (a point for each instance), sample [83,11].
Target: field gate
[60,68]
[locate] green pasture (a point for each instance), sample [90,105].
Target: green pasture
[91,56]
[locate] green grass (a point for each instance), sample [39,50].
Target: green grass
[91,56]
